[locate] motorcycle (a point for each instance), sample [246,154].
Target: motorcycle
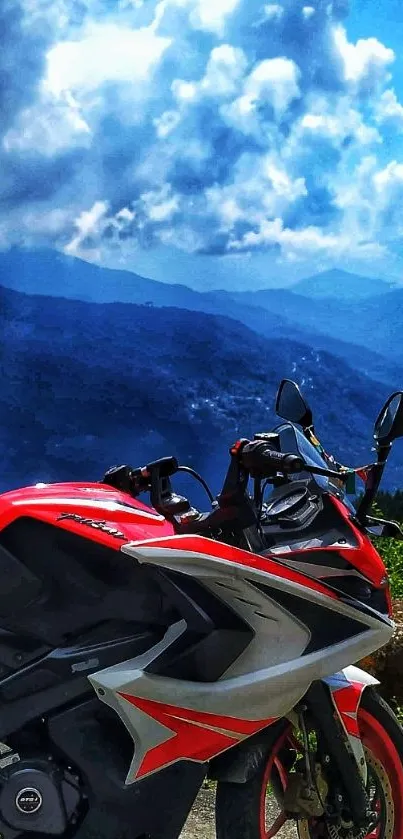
[145,648]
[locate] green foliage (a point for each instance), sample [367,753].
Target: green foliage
[392,555]
[390,506]
[398,709]
[390,550]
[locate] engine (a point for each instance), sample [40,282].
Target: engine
[37,795]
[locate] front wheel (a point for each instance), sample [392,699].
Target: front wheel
[254,810]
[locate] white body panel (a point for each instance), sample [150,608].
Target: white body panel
[268,678]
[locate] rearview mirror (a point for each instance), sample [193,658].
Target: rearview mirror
[389,424]
[291,405]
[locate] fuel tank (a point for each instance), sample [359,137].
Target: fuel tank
[94,511]
[63,571]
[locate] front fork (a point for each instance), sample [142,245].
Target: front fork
[337,722]
[347,688]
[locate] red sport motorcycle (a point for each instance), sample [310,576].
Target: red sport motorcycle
[145,648]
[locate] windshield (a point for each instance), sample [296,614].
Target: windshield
[292,440]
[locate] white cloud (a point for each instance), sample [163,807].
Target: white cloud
[106,52]
[273,11]
[213,125]
[309,242]
[90,223]
[166,123]
[261,188]
[205,15]
[49,127]
[389,110]
[371,198]
[366,63]
[159,205]
[334,121]
[388,199]
[306,241]
[224,72]
[272,82]
[212,15]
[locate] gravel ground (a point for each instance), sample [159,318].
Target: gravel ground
[200,824]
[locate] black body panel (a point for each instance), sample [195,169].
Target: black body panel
[82,584]
[216,635]
[326,527]
[82,608]
[61,676]
[326,626]
[93,739]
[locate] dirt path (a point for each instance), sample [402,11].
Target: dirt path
[200,824]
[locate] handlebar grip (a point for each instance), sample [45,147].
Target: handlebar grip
[261,460]
[293,463]
[119,477]
[166,466]
[134,481]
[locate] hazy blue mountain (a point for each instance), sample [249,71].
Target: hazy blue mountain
[374,324]
[276,314]
[48,272]
[368,334]
[45,271]
[341,284]
[85,385]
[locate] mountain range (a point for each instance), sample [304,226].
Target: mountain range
[87,381]
[363,330]
[86,385]
[341,285]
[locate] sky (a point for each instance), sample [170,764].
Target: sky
[221,143]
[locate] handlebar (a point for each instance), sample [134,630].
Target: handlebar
[256,457]
[135,481]
[262,461]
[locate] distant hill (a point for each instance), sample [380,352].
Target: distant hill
[341,284]
[86,385]
[373,324]
[275,314]
[45,271]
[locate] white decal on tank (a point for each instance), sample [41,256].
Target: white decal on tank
[108,506]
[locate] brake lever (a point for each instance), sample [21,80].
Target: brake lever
[390,529]
[327,473]
[345,471]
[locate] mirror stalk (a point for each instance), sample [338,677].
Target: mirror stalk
[374,479]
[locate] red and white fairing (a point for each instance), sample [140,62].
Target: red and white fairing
[171,720]
[99,504]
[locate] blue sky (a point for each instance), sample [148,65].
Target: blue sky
[222,143]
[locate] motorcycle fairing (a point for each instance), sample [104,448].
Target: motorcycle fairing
[332,547]
[302,632]
[93,511]
[347,688]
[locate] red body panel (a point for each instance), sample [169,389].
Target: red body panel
[364,557]
[347,699]
[97,503]
[196,735]
[232,555]
[94,511]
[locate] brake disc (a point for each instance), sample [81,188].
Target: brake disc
[339,832]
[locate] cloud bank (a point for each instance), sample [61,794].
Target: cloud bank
[208,126]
